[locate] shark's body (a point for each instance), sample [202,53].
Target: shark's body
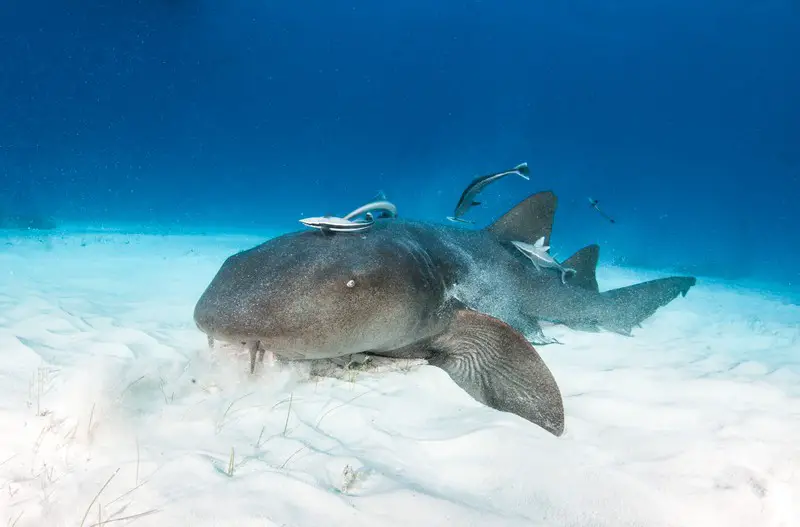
[463,299]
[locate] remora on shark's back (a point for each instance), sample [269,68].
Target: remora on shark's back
[348,224]
[539,255]
[459,298]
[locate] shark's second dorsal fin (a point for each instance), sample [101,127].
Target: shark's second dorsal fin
[529,220]
[584,262]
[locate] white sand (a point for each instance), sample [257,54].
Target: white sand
[693,421]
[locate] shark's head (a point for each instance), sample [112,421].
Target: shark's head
[316,295]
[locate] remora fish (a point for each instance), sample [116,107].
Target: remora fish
[347,224]
[462,299]
[537,253]
[467,199]
[595,205]
[336,224]
[389,210]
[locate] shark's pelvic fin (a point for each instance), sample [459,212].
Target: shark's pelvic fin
[529,220]
[535,335]
[584,262]
[497,366]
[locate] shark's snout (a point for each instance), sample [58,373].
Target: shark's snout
[225,319]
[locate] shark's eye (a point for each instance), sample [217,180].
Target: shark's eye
[351,283]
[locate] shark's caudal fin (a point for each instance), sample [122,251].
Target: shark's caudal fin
[496,365]
[529,220]
[584,262]
[628,306]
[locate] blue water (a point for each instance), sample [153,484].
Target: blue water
[682,118]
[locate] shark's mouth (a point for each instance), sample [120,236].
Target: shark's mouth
[259,352]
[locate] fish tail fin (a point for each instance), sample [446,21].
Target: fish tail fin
[627,307]
[523,170]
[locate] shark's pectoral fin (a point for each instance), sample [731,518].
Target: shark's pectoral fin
[496,365]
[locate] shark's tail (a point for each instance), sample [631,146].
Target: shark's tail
[622,309]
[629,306]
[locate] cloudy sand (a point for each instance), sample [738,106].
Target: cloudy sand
[114,411]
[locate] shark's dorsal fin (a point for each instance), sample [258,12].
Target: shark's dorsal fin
[585,264]
[529,220]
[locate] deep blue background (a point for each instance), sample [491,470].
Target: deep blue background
[682,117]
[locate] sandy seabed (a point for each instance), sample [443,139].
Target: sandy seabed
[114,411]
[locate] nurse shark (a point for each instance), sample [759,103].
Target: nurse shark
[463,299]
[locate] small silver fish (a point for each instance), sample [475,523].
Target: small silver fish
[539,255]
